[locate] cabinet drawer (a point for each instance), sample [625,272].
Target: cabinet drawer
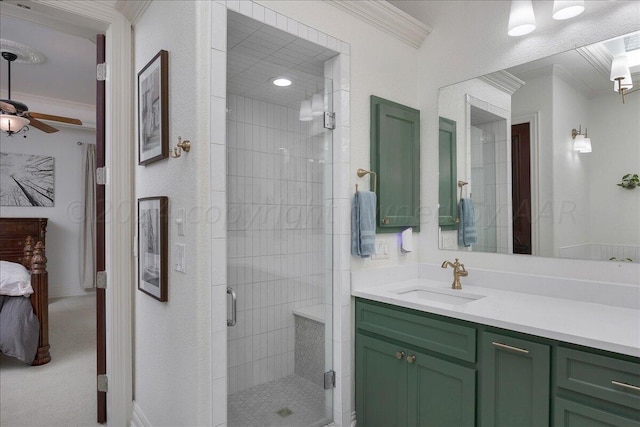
[572,414]
[606,378]
[417,330]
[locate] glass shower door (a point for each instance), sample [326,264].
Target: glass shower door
[280,265]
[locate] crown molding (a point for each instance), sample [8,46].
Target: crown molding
[132,10]
[599,57]
[504,81]
[386,17]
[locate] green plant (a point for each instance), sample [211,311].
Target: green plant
[620,260]
[629,181]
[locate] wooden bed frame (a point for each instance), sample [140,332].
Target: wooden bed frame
[33,258]
[35,261]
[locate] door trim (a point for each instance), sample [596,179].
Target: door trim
[533,121]
[119,196]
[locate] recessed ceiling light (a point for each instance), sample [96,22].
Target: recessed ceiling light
[282,82]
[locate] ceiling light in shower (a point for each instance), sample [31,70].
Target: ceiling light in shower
[305,111]
[317,105]
[281,82]
[521,18]
[566,9]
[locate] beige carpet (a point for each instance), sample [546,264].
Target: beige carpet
[62,392]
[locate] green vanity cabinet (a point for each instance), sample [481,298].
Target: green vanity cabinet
[596,390]
[514,382]
[421,369]
[398,383]
[395,157]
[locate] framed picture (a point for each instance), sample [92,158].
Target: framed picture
[26,180]
[153,110]
[153,246]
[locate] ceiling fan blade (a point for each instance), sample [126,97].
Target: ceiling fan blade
[5,106]
[55,118]
[42,126]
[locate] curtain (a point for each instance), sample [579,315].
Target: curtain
[88,230]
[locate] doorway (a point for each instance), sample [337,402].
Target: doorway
[279,238]
[521,187]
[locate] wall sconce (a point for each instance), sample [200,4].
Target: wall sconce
[581,142]
[180,147]
[621,76]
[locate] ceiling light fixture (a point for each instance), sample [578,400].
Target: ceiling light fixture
[566,9]
[11,123]
[621,76]
[521,18]
[281,82]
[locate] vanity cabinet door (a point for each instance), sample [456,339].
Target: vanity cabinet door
[381,383]
[514,382]
[441,393]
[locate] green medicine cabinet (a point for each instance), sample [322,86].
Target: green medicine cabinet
[447,197]
[395,158]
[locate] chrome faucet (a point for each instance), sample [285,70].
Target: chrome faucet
[458,272]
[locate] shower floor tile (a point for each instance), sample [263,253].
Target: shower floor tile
[290,401]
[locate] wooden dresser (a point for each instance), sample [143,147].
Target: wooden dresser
[14,231]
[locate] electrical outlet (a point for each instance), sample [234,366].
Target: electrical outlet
[181,260]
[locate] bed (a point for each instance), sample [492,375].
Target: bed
[22,240]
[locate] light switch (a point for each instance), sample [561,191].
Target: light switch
[181,260]
[180,222]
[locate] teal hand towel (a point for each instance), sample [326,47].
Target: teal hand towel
[467,234]
[363,224]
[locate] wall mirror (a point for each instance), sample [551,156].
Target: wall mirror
[540,149]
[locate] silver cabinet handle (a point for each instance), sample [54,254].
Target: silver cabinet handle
[625,385]
[399,354]
[508,347]
[411,358]
[234,311]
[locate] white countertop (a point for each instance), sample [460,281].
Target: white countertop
[600,326]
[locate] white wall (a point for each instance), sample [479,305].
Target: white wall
[65,216]
[570,168]
[172,353]
[469,39]
[616,152]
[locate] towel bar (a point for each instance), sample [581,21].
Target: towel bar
[460,184]
[362,172]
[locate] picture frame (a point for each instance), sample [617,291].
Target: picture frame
[153,246]
[153,110]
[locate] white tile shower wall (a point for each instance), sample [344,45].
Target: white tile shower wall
[276,252]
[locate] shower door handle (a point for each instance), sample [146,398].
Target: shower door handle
[234,310]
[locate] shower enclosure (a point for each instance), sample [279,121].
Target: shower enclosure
[279,229]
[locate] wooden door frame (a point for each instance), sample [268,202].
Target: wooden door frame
[533,121]
[119,199]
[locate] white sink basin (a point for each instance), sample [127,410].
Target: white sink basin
[447,296]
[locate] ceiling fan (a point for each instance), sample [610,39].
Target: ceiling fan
[14,115]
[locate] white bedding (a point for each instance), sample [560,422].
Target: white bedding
[15,280]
